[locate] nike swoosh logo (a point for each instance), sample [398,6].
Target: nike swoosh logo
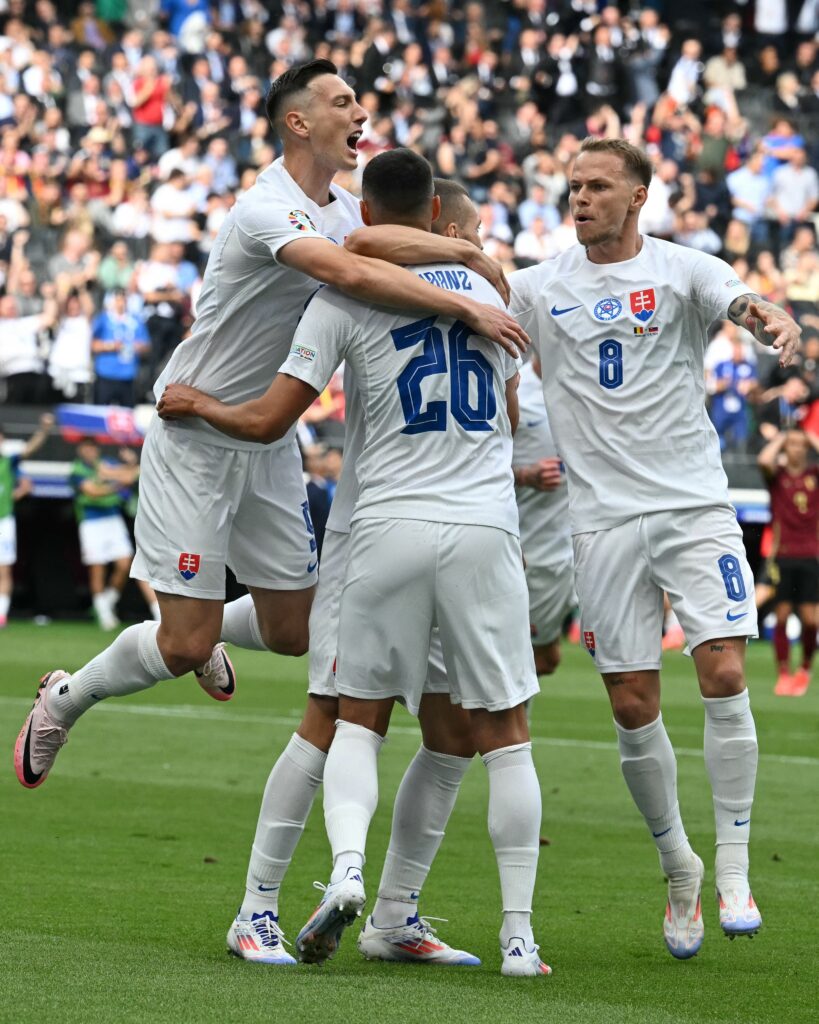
[663,833]
[738,823]
[268,888]
[568,309]
[733,618]
[533,423]
[30,776]
[311,566]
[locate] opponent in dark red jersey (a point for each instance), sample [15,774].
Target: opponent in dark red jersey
[794,487]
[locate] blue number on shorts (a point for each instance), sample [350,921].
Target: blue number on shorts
[431,361]
[463,362]
[732,578]
[308,522]
[611,364]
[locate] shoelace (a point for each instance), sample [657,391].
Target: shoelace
[425,928]
[268,931]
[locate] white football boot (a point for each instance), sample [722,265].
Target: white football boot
[217,676]
[340,905]
[682,925]
[41,738]
[413,942]
[738,913]
[519,961]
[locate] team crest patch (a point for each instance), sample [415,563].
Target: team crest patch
[300,221]
[588,641]
[733,282]
[608,309]
[188,565]
[303,351]
[643,304]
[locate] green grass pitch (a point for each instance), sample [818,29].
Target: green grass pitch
[121,875]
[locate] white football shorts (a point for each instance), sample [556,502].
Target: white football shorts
[324,625]
[104,540]
[202,507]
[551,598]
[405,576]
[8,540]
[695,555]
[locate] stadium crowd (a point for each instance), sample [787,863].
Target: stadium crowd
[127,129]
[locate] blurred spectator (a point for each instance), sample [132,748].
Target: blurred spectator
[157,281]
[534,244]
[69,361]
[23,352]
[795,193]
[116,268]
[750,190]
[119,341]
[730,383]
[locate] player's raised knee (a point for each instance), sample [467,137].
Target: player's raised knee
[184,653]
[547,659]
[289,639]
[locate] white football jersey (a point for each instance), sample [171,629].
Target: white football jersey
[343,506]
[438,443]
[250,303]
[621,348]
[544,515]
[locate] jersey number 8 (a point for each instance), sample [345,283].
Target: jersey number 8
[611,364]
[463,362]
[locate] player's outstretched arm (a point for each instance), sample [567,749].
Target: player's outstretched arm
[264,419]
[769,324]
[407,246]
[39,437]
[379,283]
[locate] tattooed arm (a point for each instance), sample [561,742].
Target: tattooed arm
[769,324]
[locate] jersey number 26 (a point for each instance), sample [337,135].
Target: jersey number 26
[463,362]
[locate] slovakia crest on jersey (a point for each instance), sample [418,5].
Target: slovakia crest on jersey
[588,641]
[643,304]
[188,565]
[608,309]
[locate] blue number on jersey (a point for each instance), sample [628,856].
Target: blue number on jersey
[430,362]
[732,578]
[463,362]
[611,364]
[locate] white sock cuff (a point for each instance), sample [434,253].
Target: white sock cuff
[148,652]
[448,767]
[307,757]
[641,735]
[360,732]
[508,757]
[727,707]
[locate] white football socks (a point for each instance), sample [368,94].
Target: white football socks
[350,794]
[650,769]
[133,662]
[240,625]
[423,804]
[514,827]
[5,604]
[731,755]
[288,797]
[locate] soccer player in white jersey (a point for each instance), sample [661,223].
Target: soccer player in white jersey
[208,500]
[434,539]
[620,323]
[543,507]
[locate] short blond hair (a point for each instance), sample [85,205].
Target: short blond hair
[634,160]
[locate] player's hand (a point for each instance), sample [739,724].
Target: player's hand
[492,271]
[128,456]
[178,401]
[544,475]
[496,325]
[776,323]
[47,421]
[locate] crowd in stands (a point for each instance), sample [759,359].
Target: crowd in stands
[129,127]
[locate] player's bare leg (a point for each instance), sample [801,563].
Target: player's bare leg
[138,658]
[149,598]
[650,769]
[5,593]
[782,649]
[731,760]
[547,657]
[801,678]
[502,740]
[428,791]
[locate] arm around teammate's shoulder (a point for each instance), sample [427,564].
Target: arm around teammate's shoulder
[379,283]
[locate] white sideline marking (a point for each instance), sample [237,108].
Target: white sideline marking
[289,721]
